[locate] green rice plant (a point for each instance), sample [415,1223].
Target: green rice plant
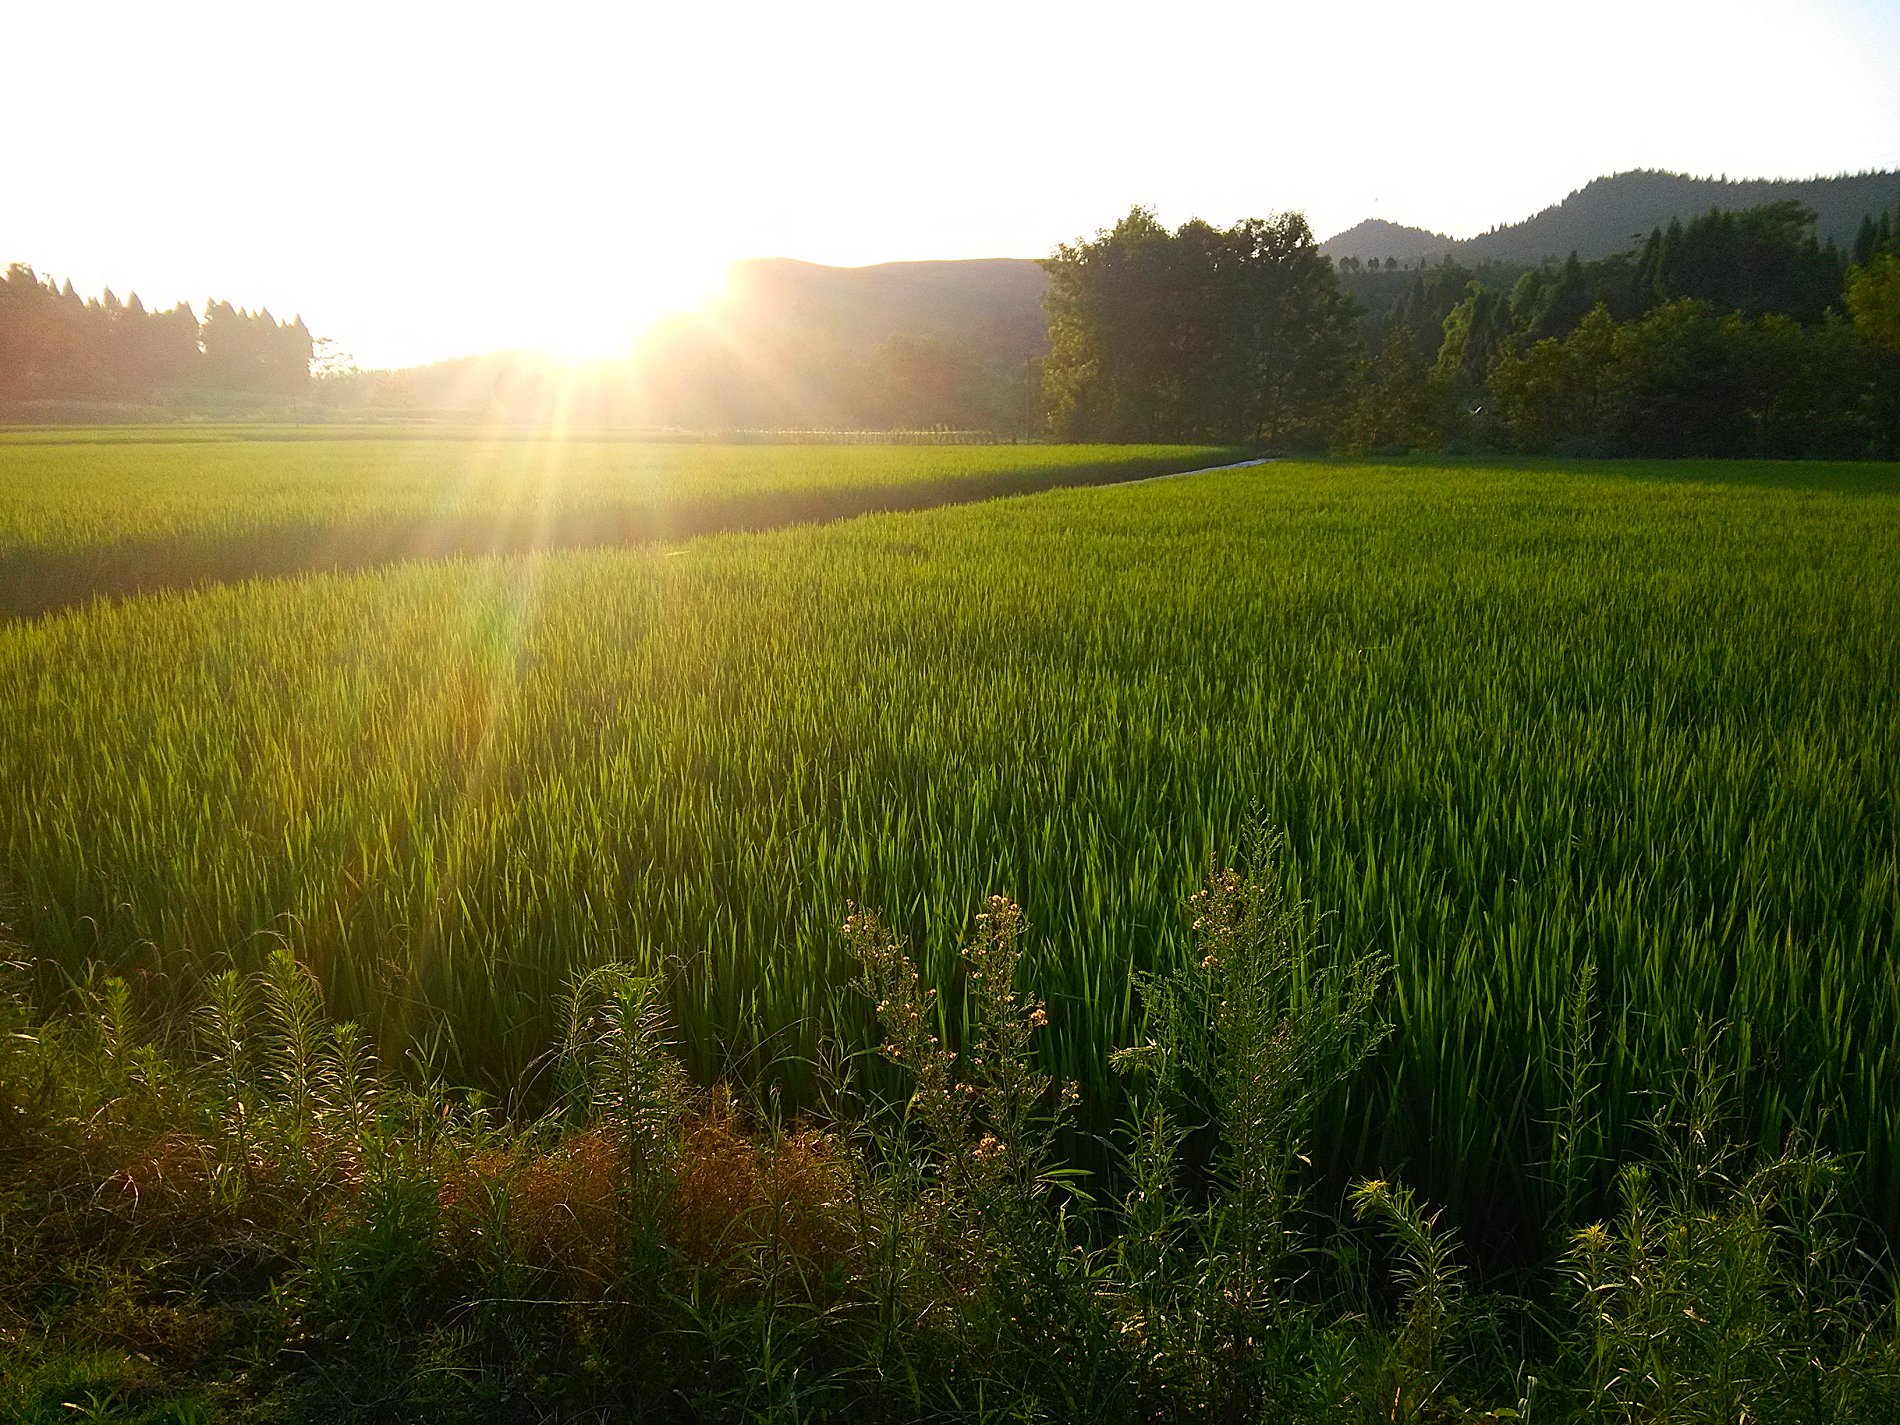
[1513,721]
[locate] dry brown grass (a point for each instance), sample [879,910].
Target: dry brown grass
[739,1192]
[564,1210]
[734,1193]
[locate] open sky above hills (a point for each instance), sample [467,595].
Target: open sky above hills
[424,180]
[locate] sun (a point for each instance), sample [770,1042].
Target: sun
[611,325]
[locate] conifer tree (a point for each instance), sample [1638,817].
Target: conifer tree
[1866,240]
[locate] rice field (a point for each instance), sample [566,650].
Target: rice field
[85,513]
[1514,721]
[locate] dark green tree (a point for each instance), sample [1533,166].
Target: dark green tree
[1557,394]
[1564,302]
[1232,334]
[1873,296]
[1400,406]
[253,351]
[1475,332]
[1866,240]
[1430,298]
[1753,261]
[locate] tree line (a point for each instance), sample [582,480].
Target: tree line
[1737,333]
[58,346]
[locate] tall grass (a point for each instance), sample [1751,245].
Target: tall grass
[1630,728]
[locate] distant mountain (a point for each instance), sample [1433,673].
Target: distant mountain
[1610,215]
[1375,239]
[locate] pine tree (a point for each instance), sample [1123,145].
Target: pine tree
[1866,240]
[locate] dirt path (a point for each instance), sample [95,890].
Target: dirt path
[1204,470]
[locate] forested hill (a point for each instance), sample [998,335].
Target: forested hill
[1611,215]
[1375,239]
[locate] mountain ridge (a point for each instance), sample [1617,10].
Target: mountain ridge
[1614,213]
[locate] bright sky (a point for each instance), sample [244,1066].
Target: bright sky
[422,180]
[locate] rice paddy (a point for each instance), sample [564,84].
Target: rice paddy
[1513,721]
[89,513]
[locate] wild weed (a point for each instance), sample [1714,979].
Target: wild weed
[1243,1044]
